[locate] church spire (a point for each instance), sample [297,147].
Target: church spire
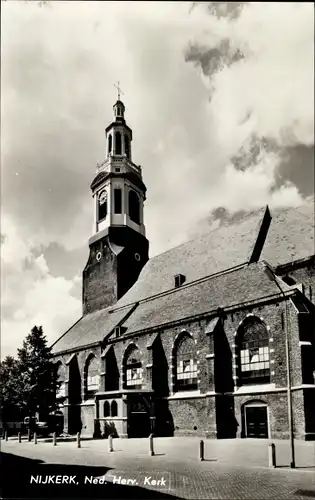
[118,90]
[118,188]
[119,108]
[118,246]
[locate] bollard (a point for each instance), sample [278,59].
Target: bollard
[272,455]
[29,435]
[202,450]
[6,435]
[151,445]
[78,440]
[54,439]
[19,436]
[35,438]
[110,443]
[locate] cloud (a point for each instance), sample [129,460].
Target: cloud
[30,294]
[220,100]
[260,67]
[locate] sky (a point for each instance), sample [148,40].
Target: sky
[220,97]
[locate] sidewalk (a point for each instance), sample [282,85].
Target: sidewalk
[246,452]
[227,473]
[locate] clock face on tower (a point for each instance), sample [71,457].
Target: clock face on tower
[103,197]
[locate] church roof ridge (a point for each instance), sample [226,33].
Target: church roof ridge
[206,232]
[185,285]
[231,222]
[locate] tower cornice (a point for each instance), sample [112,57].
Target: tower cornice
[133,178]
[118,161]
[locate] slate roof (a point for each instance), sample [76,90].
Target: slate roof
[91,328]
[290,237]
[248,283]
[223,248]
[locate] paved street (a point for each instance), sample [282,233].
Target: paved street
[232,469]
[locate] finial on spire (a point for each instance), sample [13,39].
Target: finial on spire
[119,90]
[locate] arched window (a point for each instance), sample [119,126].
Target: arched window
[253,350]
[102,205]
[127,146]
[106,409]
[92,376]
[60,381]
[117,201]
[118,143]
[110,143]
[134,206]
[133,369]
[186,364]
[113,409]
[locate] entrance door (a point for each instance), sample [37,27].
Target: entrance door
[256,421]
[139,419]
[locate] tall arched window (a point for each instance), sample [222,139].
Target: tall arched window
[92,376]
[133,369]
[186,364]
[113,409]
[106,409]
[110,143]
[117,201]
[127,146]
[134,206]
[60,381]
[118,143]
[102,205]
[253,350]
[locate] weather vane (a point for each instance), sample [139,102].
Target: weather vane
[119,90]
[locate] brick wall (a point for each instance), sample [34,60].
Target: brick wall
[199,415]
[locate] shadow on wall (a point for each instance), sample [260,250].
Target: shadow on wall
[103,429]
[163,422]
[107,428]
[74,388]
[226,422]
[26,468]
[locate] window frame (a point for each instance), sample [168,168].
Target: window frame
[186,364]
[132,208]
[92,388]
[133,370]
[118,202]
[253,353]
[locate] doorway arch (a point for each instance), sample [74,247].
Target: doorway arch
[255,420]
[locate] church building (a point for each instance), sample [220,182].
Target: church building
[213,338]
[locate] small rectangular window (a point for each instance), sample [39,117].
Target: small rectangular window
[179,280]
[117,201]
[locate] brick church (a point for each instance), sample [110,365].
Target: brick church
[213,338]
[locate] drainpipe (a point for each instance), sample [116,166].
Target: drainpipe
[288,365]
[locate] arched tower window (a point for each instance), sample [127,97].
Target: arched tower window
[134,206]
[102,205]
[106,409]
[186,364]
[113,409]
[117,143]
[133,369]
[117,201]
[110,143]
[92,376]
[127,146]
[253,351]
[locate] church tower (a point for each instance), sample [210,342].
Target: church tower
[118,246]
